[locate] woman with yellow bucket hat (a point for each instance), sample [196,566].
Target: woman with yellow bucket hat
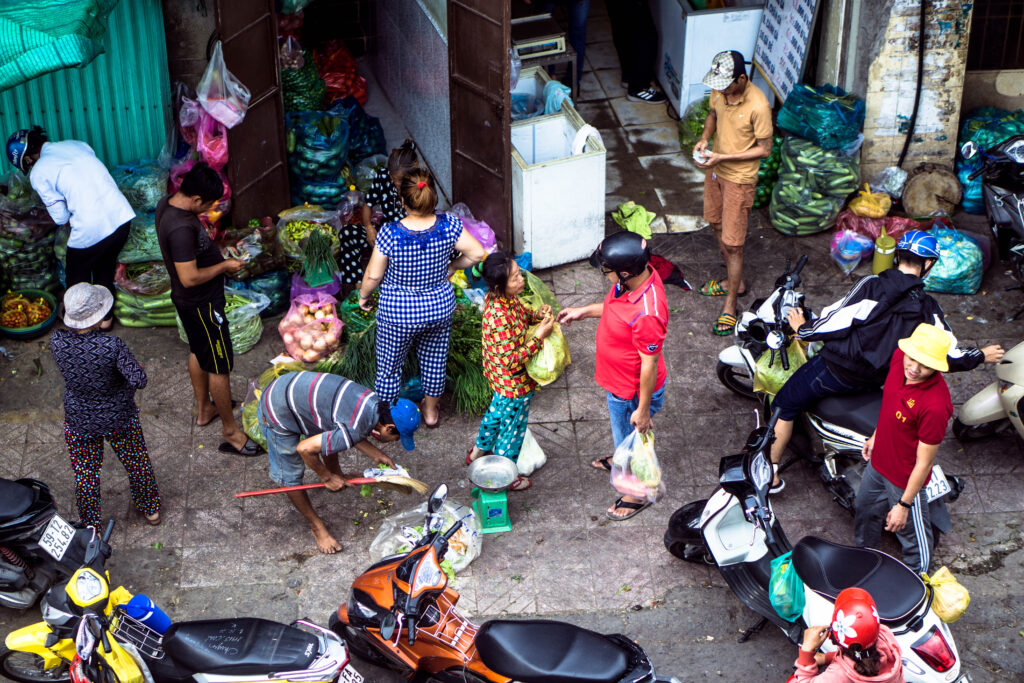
[916,408]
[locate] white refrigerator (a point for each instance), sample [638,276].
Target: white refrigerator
[689,38]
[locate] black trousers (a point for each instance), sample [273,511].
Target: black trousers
[636,40]
[96,264]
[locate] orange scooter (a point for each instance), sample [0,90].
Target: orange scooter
[401,614]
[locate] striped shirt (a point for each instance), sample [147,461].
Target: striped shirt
[313,403]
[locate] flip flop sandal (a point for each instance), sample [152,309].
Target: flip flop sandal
[234,404]
[606,464]
[724,319]
[154,521]
[521,483]
[714,288]
[469,460]
[250,450]
[636,508]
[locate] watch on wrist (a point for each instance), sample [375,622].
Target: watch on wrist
[909,506]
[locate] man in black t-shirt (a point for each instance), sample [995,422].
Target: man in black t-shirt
[196,268]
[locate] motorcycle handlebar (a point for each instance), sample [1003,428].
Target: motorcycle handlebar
[800,264]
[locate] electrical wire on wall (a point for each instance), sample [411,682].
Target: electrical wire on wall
[917,94]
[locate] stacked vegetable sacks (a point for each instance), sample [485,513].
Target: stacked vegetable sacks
[812,187]
[26,249]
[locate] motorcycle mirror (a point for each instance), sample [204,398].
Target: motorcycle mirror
[388,624]
[1016,151]
[969,149]
[757,331]
[437,499]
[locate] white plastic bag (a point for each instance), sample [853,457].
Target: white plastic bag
[635,468]
[531,455]
[399,534]
[221,94]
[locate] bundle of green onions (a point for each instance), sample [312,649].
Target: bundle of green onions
[320,265]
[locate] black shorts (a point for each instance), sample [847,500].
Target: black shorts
[206,327]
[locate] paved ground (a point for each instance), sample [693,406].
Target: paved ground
[218,556]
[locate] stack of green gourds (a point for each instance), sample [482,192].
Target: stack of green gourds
[812,187]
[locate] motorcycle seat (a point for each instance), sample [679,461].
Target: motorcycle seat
[239,647]
[15,498]
[827,568]
[858,412]
[540,651]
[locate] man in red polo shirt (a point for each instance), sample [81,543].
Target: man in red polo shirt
[916,408]
[629,366]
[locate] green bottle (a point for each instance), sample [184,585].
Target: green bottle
[885,251]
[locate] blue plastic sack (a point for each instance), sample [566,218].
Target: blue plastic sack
[960,266]
[827,116]
[786,589]
[986,126]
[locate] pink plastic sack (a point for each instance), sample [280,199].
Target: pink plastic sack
[221,94]
[212,142]
[894,226]
[188,117]
[300,288]
[311,330]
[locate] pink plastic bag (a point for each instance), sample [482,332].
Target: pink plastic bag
[188,117]
[300,288]
[212,142]
[221,94]
[482,232]
[311,330]
[894,226]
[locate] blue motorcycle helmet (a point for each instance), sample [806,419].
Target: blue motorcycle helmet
[22,144]
[921,247]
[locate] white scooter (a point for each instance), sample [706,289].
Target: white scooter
[998,406]
[736,529]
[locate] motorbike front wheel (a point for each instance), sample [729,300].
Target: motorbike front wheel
[738,381]
[966,432]
[26,667]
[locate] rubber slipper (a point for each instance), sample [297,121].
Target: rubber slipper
[155,521]
[724,319]
[250,450]
[234,404]
[605,466]
[714,288]
[521,483]
[469,460]
[636,508]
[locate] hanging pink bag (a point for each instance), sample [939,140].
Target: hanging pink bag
[212,143]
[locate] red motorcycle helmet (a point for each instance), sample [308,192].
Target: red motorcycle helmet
[854,620]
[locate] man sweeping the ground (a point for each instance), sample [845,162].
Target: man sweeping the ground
[339,414]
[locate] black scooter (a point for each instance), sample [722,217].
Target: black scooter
[1002,173]
[37,547]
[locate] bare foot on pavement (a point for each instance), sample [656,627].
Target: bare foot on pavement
[325,543]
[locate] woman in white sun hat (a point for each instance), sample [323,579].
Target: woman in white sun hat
[100,379]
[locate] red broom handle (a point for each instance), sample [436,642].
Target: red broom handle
[301,487]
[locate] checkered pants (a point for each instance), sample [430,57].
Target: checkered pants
[393,342]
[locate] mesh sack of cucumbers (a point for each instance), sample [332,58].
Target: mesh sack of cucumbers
[812,187]
[317,144]
[26,249]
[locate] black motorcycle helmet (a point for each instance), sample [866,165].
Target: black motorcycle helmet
[625,253]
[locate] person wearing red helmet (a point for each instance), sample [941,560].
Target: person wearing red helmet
[868,651]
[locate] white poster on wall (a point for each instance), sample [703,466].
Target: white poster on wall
[780,50]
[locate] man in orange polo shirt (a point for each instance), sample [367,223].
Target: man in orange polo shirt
[740,120]
[629,364]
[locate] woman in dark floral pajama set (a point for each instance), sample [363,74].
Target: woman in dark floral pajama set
[100,378]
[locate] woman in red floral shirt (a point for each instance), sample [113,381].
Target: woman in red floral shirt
[506,350]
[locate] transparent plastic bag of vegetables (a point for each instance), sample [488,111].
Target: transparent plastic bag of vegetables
[400,532]
[142,183]
[311,330]
[635,468]
[250,423]
[691,125]
[537,294]
[144,279]
[551,360]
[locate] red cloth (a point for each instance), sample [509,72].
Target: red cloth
[910,413]
[631,324]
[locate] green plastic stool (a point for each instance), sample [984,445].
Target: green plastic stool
[491,508]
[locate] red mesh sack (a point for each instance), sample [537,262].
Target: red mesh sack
[311,330]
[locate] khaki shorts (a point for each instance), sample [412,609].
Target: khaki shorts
[728,204]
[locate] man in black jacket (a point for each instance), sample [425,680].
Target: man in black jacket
[861,331]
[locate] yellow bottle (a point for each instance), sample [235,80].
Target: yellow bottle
[885,251]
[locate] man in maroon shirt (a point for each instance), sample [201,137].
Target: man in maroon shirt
[916,408]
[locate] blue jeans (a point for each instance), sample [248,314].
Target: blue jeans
[577,11]
[286,465]
[620,410]
[811,382]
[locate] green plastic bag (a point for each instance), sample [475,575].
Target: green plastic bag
[547,364]
[786,589]
[537,294]
[768,379]
[250,425]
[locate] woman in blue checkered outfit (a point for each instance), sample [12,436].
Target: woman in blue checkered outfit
[411,263]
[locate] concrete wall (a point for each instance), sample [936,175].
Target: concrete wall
[886,76]
[411,66]
[188,31]
[1003,89]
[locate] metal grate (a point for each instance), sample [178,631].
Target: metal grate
[997,36]
[125,629]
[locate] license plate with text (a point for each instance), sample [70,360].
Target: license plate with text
[57,537]
[937,486]
[350,675]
